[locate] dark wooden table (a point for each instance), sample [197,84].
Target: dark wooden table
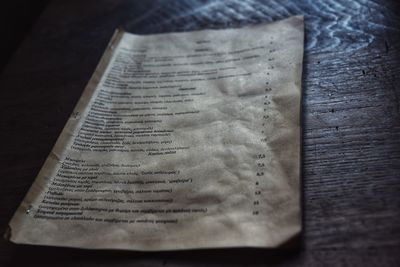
[351,120]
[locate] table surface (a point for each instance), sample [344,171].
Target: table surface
[351,122]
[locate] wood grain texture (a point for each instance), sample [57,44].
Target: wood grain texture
[351,121]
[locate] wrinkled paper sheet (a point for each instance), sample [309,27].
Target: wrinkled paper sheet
[180,141]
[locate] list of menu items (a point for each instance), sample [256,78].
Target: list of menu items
[179,141]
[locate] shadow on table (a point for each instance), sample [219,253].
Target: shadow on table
[21,255]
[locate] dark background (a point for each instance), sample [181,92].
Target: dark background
[16,20]
[351,118]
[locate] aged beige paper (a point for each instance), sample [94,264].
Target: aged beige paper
[180,141]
